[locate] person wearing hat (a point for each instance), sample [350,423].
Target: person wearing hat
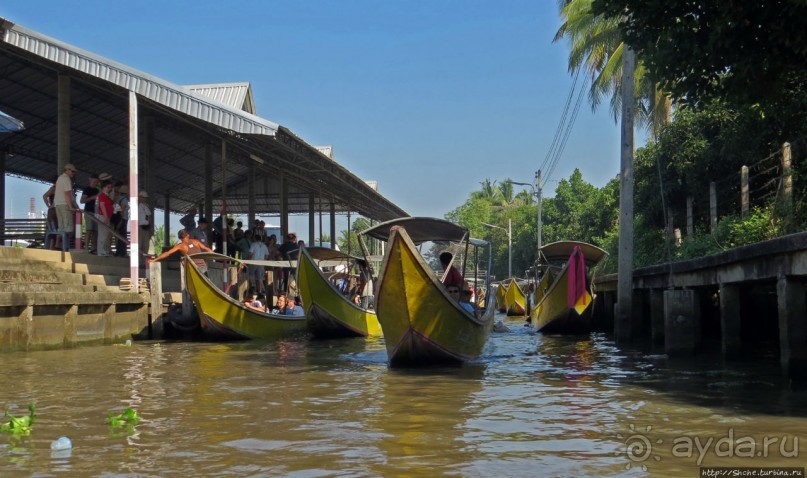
[88,197]
[64,200]
[122,203]
[145,221]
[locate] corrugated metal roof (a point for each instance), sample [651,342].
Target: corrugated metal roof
[160,91]
[235,95]
[184,130]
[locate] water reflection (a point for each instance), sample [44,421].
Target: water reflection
[532,405]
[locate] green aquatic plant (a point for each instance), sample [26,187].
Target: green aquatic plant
[19,426]
[127,417]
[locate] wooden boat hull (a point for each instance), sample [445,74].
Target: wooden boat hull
[515,299]
[422,325]
[222,317]
[329,314]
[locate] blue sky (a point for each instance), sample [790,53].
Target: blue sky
[429,98]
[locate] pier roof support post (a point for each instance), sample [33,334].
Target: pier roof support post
[251,196]
[134,187]
[311,213]
[63,124]
[730,322]
[207,208]
[792,326]
[333,225]
[284,208]
[682,322]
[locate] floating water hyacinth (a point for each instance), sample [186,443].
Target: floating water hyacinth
[19,426]
[127,417]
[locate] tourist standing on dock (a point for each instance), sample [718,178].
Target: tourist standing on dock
[200,232]
[64,200]
[257,252]
[188,221]
[88,197]
[104,215]
[122,204]
[146,222]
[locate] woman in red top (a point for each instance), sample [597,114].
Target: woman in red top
[104,206]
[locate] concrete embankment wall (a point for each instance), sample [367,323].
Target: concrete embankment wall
[52,299]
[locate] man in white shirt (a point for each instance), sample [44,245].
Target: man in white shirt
[257,252]
[64,200]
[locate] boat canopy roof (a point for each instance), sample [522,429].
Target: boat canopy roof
[328,254]
[561,250]
[420,229]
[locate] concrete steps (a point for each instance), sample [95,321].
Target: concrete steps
[53,299]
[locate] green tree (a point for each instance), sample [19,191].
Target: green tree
[596,46]
[745,51]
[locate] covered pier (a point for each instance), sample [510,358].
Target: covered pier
[197,146]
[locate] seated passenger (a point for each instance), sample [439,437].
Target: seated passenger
[297,308]
[465,301]
[280,308]
[452,275]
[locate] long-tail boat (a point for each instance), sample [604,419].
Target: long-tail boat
[501,296]
[329,312]
[563,297]
[223,317]
[514,298]
[422,324]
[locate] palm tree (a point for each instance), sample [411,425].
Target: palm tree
[596,47]
[489,191]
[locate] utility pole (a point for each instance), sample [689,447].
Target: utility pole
[623,324]
[510,247]
[539,198]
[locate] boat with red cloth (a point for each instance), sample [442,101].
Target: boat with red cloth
[563,297]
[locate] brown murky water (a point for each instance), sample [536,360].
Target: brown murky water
[532,406]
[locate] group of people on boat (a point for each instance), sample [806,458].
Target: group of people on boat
[292,306]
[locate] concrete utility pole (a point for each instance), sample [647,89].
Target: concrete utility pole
[539,197]
[623,325]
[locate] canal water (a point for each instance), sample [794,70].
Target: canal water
[533,405]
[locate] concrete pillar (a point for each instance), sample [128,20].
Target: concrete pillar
[207,210]
[284,208]
[147,159]
[167,222]
[792,326]
[63,124]
[333,225]
[730,322]
[682,322]
[187,301]
[311,212]
[656,299]
[251,195]
[156,320]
